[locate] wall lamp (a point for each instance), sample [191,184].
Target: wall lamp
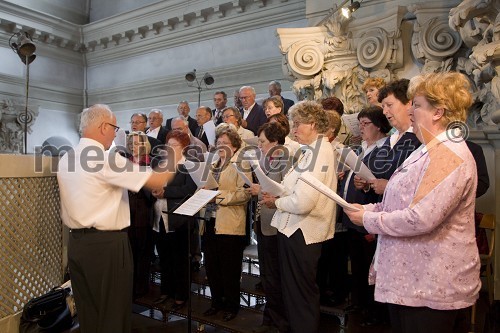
[25,49]
[347,11]
[207,79]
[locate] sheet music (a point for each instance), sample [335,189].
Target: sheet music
[267,184]
[120,139]
[209,128]
[352,123]
[355,163]
[196,202]
[309,179]
[242,174]
[201,174]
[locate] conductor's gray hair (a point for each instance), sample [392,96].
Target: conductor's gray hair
[95,115]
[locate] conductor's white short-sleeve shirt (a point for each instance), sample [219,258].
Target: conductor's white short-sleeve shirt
[93,186]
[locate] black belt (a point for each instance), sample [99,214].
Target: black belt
[93,230]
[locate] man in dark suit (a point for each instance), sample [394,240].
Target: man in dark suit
[275,90]
[220,101]
[251,112]
[183,110]
[155,130]
[203,116]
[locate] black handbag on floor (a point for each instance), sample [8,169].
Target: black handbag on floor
[47,313]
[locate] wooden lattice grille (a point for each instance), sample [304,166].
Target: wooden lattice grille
[30,240]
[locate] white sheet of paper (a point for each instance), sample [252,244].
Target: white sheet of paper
[267,184]
[209,128]
[242,174]
[120,139]
[309,179]
[355,163]
[352,123]
[196,202]
[201,174]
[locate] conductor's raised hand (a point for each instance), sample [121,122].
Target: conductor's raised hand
[158,193]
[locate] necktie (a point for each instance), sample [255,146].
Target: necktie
[200,132]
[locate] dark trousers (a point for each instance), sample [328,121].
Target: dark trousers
[101,271]
[407,319]
[173,251]
[141,242]
[333,267]
[223,257]
[274,311]
[361,252]
[195,242]
[299,264]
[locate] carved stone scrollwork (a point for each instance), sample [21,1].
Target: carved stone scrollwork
[305,58]
[374,49]
[483,64]
[353,96]
[12,120]
[334,58]
[434,41]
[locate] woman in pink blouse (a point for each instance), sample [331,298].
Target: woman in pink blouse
[427,263]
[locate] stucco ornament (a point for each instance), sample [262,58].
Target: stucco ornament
[12,120]
[332,60]
[478,22]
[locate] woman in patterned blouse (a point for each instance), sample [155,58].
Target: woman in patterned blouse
[427,267]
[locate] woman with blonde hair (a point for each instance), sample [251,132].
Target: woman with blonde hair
[272,105]
[427,266]
[141,204]
[371,87]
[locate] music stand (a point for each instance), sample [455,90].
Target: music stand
[170,211]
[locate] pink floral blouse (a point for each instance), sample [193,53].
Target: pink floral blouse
[427,250]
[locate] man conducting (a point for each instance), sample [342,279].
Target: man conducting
[93,183]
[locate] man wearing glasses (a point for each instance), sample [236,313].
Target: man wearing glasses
[251,112]
[93,183]
[138,123]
